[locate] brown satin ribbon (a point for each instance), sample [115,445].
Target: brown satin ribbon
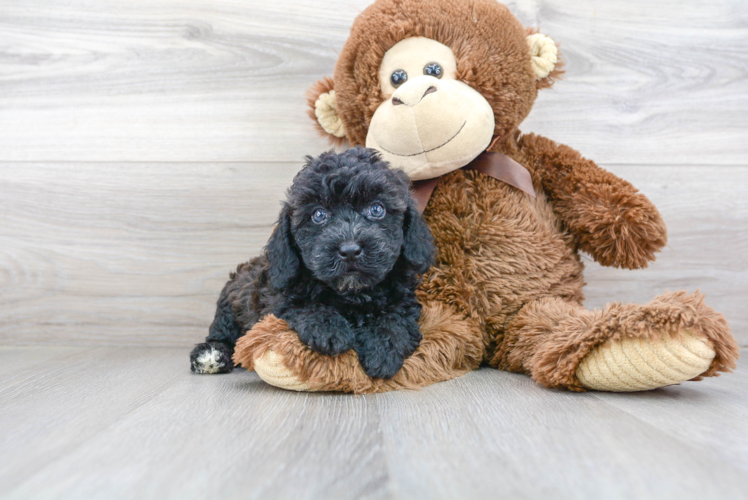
[496,165]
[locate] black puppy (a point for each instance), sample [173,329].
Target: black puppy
[341,268]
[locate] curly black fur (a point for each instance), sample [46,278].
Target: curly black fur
[346,283]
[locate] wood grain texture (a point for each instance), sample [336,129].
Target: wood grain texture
[218,80]
[126,253]
[131,253]
[50,408]
[118,422]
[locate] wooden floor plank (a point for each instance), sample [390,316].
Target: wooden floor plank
[219,80]
[228,436]
[16,361]
[705,416]
[493,434]
[135,423]
[132,253]
[51,410]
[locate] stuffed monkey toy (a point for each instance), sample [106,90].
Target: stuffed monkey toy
[440,88]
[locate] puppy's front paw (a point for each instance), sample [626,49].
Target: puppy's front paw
[213,357]
[382,347]
[328,335]
[377,364]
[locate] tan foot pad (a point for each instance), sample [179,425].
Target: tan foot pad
[640,364]
[271,369]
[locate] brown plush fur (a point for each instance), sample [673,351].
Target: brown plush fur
[506,287]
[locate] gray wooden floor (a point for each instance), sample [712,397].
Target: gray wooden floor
[126,422]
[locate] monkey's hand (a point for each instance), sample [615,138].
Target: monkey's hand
[451,347]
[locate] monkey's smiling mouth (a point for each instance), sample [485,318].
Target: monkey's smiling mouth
[432,149]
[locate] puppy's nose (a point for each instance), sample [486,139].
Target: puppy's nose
[350,250]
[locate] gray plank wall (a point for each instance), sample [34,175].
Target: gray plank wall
[144,147]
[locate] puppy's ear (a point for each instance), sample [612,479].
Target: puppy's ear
[282,256]
[418,245]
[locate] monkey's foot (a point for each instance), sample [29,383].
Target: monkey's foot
[674,338]
[640,364]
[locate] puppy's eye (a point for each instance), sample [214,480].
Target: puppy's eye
[433,69]
[376,211]
[398,77]
[319,216]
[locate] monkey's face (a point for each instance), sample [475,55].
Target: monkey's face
[429,123]
[430,84]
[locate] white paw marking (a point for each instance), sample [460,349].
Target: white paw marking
[208,362]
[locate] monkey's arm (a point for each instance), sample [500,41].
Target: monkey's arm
[452,346]
[609,218]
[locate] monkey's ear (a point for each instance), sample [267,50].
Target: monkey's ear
[282,257]
[545,57]
[322,109]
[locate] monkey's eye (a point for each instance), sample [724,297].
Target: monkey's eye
[376,211]
[319,216]
[433,69]
[399,77]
